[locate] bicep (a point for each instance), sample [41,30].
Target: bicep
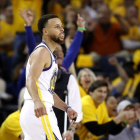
[38,61]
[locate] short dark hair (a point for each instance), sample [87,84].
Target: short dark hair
[43,21]
[97,84]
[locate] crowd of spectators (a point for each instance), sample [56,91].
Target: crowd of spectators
[107,52]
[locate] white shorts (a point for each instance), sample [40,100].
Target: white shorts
[43,128]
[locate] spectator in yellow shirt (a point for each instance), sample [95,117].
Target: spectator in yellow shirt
[85,78]
[35,6]
[131,41]
[116,3]
[10,128]
[7,30]
[95,116]
[121,10]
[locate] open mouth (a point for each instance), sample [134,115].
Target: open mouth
[62,35]
[87,82]
[114,110]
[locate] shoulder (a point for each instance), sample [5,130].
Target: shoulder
[2,24]
[103,106]
[14,117]
[41,52]
[87,100]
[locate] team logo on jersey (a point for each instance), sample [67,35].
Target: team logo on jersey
[53,81]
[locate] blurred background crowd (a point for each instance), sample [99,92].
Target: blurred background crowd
[110,48]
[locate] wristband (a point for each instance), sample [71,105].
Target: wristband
[81,28]
[67,108]
[124,123]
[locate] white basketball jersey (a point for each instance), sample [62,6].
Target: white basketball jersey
[46,82]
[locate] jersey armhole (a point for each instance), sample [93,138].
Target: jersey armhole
[50,55]
[49,66]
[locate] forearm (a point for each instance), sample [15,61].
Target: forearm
[73,50]
[58,103]
[30,39]
[100,129]
[32,89]
[123,25]
[117,129]
[122,73]
[72,70]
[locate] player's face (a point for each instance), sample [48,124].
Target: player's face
[111,104]
[86,79]
[99,95]
[55,30]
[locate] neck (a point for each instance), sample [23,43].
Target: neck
[8,21]
[51,44]
[96,104]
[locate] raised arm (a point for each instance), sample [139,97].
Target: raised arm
[122,22]
[120,86]
[30,39]
[75,45]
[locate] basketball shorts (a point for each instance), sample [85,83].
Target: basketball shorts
[43,128]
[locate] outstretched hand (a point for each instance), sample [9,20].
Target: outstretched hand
[80,21]
[27,16]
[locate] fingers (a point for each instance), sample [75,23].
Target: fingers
[67,135]
[73,115]
[20,12]
[24,12]
[29,13]
[78,15]
[40,112]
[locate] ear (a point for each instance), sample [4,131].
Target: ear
[45,32]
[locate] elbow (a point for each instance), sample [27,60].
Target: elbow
[29,82]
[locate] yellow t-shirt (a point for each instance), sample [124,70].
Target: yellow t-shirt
[82,91]
[10,129]
[34,6]
[7,34]
[7,31]
[76,3]
[91,113]
[133,31]
[121,10]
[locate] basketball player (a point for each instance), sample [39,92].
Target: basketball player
[37,118]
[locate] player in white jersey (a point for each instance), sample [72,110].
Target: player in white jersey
[37,118]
